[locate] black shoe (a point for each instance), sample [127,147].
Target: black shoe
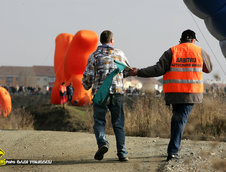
[123,159]
[172,157]
[101,151]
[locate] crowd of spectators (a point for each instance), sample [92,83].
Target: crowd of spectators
[23,90]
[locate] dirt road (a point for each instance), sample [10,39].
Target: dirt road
[74,151]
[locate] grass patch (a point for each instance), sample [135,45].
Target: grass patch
[57,118]
[18,119]
[146,116]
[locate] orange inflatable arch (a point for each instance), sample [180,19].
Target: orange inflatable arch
[70,62]
[62,43]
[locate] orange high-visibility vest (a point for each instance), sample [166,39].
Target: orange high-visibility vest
[185,75]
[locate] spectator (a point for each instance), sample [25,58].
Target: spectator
[63,92]
[70,92]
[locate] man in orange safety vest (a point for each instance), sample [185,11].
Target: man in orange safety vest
[181,67]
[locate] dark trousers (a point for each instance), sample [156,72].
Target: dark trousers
[70,97]
[114,103]
[178,123]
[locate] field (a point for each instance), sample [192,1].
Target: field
[145,116]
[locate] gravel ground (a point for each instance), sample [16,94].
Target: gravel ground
[200,156]
[74,151]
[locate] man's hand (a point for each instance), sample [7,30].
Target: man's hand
[133,72]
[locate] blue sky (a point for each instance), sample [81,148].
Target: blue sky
[143,29]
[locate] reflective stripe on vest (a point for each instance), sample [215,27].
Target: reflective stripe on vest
[185,75]
[186,69]
[182,81]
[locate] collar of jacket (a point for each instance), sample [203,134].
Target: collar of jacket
[106,46]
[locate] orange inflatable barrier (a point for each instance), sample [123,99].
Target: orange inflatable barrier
[5,102]
[62,43]
[55,94]
[73,65]
[82,45]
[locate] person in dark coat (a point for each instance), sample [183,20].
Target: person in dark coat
[70,92]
